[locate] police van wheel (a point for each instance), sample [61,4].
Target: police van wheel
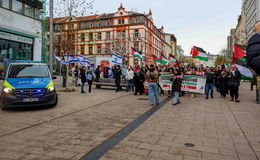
[2,107]
[56,102]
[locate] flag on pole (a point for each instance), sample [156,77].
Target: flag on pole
[71,59]
[199,53]
[162,59]
[239,60]
[83,59]
[136,53]
[116,59]
[171,58]
[60,59]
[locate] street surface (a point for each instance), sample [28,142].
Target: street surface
[218,129]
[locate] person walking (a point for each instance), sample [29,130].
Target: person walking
[152,77]
[97,73]
[117,75]
[129,78]
[234,78]
[83,78]
[90,79]
[176,86]
[141,80]
[64,75]
[209,83]
[223,88]
[76,75]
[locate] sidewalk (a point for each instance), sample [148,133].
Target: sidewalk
[218,129]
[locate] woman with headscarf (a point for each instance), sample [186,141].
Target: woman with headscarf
[223,88]
[234,78]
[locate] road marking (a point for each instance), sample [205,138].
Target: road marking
[107,145]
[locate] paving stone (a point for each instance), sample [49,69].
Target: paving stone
[166,156]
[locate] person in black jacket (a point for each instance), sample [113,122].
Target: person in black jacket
[176,86]
[83,78]
[223,88]
[117,75]
[97,73]
[76,75]
[209,83]
[234,78]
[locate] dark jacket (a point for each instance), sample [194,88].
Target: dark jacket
[97,73]
[76,72]
[233,80]
[176,84]
[210,77]
[117,75]
[253,53]
[83,75]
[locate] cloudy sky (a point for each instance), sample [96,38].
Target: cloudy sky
[204,23]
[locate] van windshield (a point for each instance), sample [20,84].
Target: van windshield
[28,71]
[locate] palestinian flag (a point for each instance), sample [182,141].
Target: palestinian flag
[171,58]
[136,53]
[162,59]
[199,53]
[155,58]
[240,61]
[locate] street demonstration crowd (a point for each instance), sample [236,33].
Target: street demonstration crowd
[146,80]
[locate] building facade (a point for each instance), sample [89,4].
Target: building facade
[252,15]
[20,29]
[109,33]
[170,44]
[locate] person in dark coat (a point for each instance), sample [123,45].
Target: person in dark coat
[223,88]
[64,75]
[97,73]
[176,86]
[117,75]
[234,78]
[83,78]
[141,80]
[209,83]
[76,75]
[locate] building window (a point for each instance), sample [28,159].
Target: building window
[90,50]
[72,26]
[136,20]
[82,25]
[108,23]
[37,13]
[82,50]
[107,35]
[5,4]
[99,24]
[136,46]
[136,33]
[99,49]
[29,11]
[123,34]
[118,34]
[119,21]
[90,36]
[82,37]
[91,24]
[99,36]
[123,21]
[17,6]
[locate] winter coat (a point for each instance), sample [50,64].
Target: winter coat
[117,75]
[83,75]
[176,83]
[210,77]
[234,80]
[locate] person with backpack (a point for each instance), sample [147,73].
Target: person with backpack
[83,78]
[90,79]
[152,77]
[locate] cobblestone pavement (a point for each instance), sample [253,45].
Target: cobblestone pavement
[219,129]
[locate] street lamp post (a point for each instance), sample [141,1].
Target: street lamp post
[51,37]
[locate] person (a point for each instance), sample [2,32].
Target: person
[223,88]
[83,78]
[234,78]
[176,86]
[217,73]
[152,77]
[141,80]
[117,75]
[76,75]
[97,73]
[90,79]
[209,83]
[129,78]
[64,75]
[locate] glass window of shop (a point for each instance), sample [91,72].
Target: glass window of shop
[15,50]
[5,4]
[17,6]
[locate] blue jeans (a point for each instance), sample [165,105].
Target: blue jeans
[153,92]
[176,98]
[82,87]
[209,87]
[129,85]
[64,81]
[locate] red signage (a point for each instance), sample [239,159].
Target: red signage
[104,64]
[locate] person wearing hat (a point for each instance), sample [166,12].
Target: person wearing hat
[152,77]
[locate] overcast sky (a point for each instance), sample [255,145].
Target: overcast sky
[204,23]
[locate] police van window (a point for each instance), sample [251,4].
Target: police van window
[28,71]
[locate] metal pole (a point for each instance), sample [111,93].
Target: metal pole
[51,37]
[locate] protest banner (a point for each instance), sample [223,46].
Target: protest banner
[193,83]
[165,82]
